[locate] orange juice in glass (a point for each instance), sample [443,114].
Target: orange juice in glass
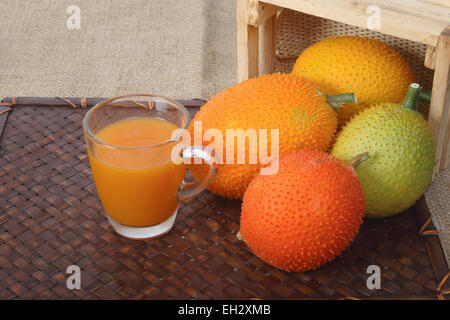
[129,141]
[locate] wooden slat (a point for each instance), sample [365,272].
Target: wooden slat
[258,12]
[253,12]
[267,11]
[267,46]
[444,3]
[446,150]
[439,115]
[247,44]
[253,51]
[393,22]
[436,12]
[430,57]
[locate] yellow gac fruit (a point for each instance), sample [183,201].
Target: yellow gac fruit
[371,69]
[306,214]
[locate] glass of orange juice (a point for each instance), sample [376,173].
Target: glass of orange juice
[129,141]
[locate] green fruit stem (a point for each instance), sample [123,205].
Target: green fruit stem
[335,100]
[415,94]
[356,161]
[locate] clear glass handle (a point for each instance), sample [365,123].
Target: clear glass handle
[189,189]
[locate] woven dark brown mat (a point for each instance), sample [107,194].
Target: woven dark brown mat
[51,218]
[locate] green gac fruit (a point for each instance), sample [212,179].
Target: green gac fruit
[402,153]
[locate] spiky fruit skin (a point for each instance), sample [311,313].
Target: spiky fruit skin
[402,153]
[305,215]
[288,103]
[372,70]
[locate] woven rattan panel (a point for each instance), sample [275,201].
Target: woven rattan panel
[51,218]
[296,31]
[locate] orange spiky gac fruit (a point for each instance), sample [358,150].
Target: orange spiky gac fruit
[306,214]
[288,103]
[373,70]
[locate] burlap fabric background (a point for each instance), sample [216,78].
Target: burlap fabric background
[181,49]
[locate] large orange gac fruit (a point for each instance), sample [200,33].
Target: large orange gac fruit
[306,214]
[288,103]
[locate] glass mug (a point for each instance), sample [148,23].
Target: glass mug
[129,143]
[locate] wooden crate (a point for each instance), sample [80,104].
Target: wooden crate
[426,22]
